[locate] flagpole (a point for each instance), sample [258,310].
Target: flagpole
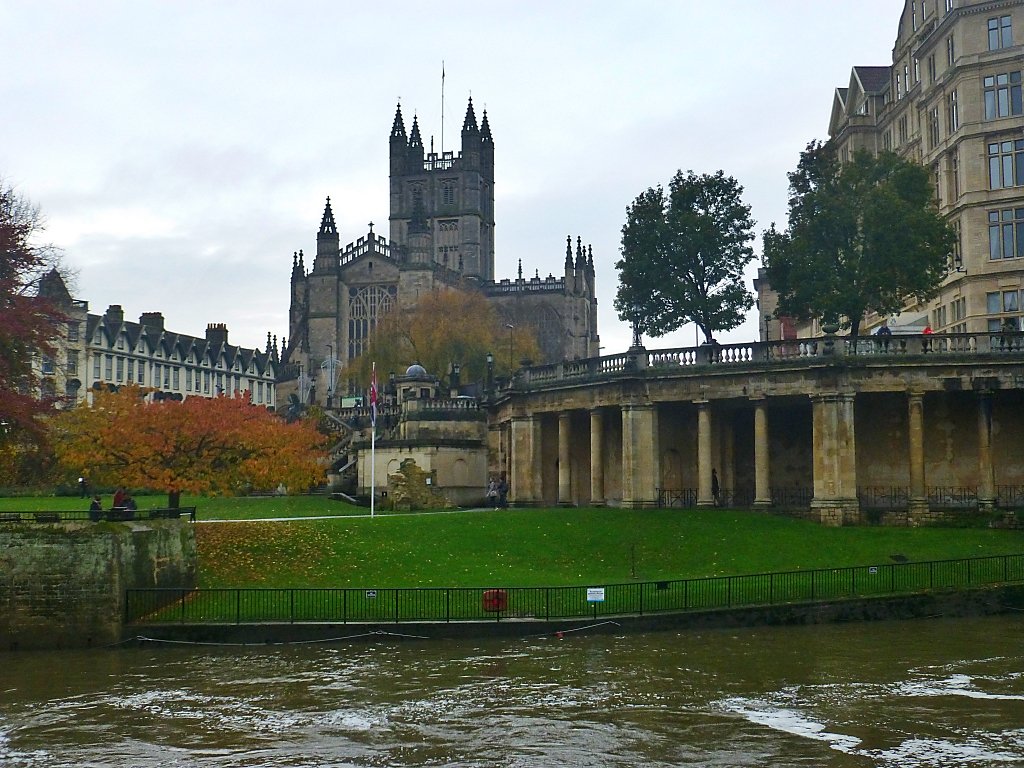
[373,438]
[442,109]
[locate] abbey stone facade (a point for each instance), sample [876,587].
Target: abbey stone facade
[441,235]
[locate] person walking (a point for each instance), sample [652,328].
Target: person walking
[715,487]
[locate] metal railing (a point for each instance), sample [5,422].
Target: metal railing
[880,497]
[818,348]
[395,605]
[113,515]
[738,498]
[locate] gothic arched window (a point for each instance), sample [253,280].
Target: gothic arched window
[365,307]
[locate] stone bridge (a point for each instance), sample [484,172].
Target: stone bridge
[829,415]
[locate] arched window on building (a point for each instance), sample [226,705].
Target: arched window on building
[366,306]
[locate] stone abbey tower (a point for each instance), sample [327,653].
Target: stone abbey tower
[441,234]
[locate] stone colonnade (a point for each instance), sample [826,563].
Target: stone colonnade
[616,454]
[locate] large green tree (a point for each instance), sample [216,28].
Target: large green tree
[683,256]
[864,235]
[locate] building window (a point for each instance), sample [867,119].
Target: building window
[956,257]
[933,128]
[448,192]
[142,372]
[188,379]
[1006,233]
[931,69]
[96,368]
[366,306]
[120,369]
[1000,33]
[958,308]
[913,15]
[47,364]
[954,171]
[206,382]
[175,384]
[73,331]
[902,125]
[949,5]
[917,71]
[131,370]
[1006,164]
[950,51]
[1006,306]
[1003,95]
[72,363]
[108,368]
[899,86]
[952,114]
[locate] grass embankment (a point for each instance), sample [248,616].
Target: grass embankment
[535,547]
[548,547]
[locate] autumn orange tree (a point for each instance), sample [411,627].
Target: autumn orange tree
[445,327]
[200,445]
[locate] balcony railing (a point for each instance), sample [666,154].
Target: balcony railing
[868,348]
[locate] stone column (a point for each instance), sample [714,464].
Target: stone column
[762,457]
[596,457]
[918,502]
[564,474]
[705,498]
[525,480]
[639,456]
[986,476]
[835,459]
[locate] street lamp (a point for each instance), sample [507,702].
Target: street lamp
[490,370]
[511,330]
[330,374]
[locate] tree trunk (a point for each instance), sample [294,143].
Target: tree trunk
[173,499]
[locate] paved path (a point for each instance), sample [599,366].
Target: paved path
[344,517]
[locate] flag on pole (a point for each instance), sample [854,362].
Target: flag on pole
[373,396]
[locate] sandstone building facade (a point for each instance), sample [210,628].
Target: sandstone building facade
[952,100]
[96,351]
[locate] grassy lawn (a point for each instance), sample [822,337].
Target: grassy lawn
[542,547]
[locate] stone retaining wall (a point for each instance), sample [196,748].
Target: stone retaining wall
[63,585]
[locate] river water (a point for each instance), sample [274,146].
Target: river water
[931,692]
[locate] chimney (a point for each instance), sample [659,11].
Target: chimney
[153,321]
[217,333]
[114,314]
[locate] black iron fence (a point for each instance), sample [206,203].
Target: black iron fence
[114,515]
[737,498]
[869,497]
[242,606]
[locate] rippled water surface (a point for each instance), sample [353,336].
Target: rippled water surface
[921,693]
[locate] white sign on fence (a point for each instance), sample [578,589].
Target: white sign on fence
[595,594]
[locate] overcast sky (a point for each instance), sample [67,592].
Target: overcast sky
[181,151]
